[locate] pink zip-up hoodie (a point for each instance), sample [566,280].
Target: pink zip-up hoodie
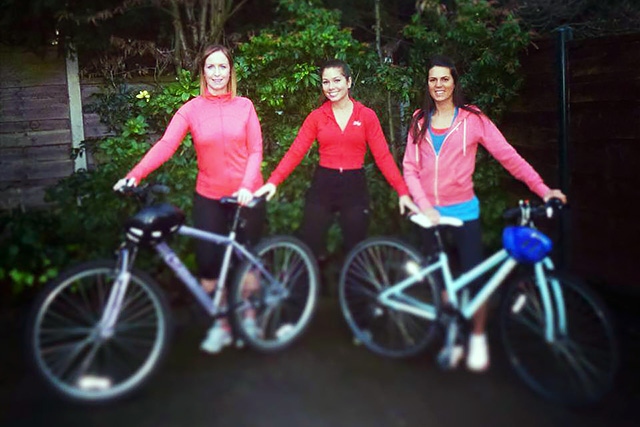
[446,179]
[228,141]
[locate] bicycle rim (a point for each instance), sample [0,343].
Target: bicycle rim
[70,353]
[578,367]
[373,266]
[283,310]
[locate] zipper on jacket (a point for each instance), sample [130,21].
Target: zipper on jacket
[435,181]
[447,135]
[437,160]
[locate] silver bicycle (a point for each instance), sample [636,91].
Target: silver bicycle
[99,330]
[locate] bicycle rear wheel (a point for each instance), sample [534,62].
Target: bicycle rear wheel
[77,358]
[371,267]
[578,367]
[271,316]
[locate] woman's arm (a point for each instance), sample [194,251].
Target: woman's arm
[411,170]
[381,154]
[299,148]
[254,148]
[161,150]
[493,140]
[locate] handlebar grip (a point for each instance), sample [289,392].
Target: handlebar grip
[253,203]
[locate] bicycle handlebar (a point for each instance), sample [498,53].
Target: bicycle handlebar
[525,211]
[146,194]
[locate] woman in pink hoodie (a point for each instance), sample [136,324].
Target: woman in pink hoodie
[438,167]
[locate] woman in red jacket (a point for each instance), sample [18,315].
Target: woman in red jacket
[343,128]
[438,165]
[228,141]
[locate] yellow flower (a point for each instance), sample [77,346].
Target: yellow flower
[143,95]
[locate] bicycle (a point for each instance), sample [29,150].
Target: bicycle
[557,333]
[99,330]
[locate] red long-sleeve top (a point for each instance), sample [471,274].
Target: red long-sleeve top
[228,141]
[342,150]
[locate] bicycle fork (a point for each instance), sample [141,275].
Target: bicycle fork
[552,301]
[116,295]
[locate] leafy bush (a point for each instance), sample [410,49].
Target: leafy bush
[278,70]
[485,42]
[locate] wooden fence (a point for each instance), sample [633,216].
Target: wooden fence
[36,137]
[604,148]
[38,126]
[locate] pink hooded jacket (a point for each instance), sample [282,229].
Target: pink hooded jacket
[446,179]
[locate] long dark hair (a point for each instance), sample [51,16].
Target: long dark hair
[334,63]
[233,82]
[428,106]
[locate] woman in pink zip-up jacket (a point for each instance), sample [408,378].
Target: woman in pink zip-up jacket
[228,141]
[438,165]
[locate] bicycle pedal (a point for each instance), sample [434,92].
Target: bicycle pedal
[449,358]
[366,336]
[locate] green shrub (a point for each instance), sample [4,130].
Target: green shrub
[278,70]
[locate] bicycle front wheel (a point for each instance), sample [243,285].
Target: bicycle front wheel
[579,365]
[371,267]
[270,316]
[78,358]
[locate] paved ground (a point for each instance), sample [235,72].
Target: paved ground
[324,380]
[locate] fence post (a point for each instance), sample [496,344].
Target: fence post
[75,110]
[565,34]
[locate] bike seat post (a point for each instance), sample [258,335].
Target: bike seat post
[436,233]
[236,218]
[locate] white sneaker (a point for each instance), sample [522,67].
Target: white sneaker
[216,339]
[478,353]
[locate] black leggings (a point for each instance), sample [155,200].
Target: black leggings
[333,192]
[216,217]
[467,240]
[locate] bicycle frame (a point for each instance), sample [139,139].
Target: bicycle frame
[396,299]
[210,303]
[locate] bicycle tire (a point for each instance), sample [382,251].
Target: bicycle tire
[576,369]
[280,314]
[371,267]
[69,354]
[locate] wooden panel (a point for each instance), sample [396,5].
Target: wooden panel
[19,196]
[93,128]
[46,153]
[26,169]
[40,111]
[604,145]
[34,125]
[22,68]
[42,93]
[35,139]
